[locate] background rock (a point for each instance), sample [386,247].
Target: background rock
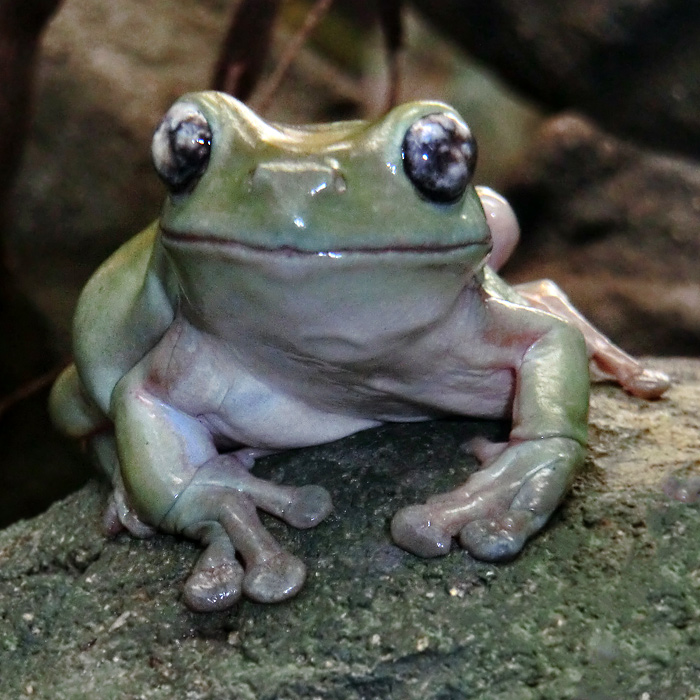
[21,26]
[604,603]
[26,351]
[618,227]
[632,65]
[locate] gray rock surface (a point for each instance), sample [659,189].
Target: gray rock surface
[618,227]
[604,604]
[633,65]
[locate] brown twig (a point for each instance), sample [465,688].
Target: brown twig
[246,47]
[390,19]
[30,388]
[272,84]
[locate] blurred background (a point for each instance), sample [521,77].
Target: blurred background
[587,116]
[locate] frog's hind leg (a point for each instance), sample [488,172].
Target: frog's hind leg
[119,514]
[607,360]
[72,412]
[75,414]
[219,507]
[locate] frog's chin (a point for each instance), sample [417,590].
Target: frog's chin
[241,250]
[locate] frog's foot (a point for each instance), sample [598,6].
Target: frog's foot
[686,490]
[217,579]
[639,381]
[119,515]
[219,507]
[498,508]
[607,360]
[269,574]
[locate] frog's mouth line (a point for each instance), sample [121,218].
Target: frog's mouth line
[189,239]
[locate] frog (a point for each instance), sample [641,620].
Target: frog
[304,283]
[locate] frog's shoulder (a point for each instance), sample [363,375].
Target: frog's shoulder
[496,287]
[122,312]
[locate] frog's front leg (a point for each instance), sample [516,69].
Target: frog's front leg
[516,491]
[177,481]
[608,361]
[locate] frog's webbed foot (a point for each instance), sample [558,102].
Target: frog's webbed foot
[219,507]
[607,360]
[498,508]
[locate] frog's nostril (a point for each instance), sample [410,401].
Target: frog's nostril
[340,186]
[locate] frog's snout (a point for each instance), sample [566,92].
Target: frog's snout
[291,182]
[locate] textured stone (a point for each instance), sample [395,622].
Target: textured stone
[604,603]
[618,228]
[633,65]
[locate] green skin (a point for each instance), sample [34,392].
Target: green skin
[300,292]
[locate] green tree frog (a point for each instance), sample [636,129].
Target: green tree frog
[304,283]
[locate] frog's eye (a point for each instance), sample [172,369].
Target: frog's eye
[439,157]
[181,147]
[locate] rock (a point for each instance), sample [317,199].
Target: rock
[604,603]
[617,227]
[633,65]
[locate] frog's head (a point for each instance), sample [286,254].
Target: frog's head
[400,184]
[388,201]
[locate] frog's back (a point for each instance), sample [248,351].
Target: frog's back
[122,312]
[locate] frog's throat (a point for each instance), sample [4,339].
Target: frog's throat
[239,249]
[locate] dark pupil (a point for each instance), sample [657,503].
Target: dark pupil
[190,142]
[439,155]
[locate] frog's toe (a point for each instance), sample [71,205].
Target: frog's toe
[647,384]
[111,524]
[214,588]
[308,506]
[216,581]
[502,534]
[416,530]
[274,579]
[500,539]
[120,516]
[299,506]
[226,521]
